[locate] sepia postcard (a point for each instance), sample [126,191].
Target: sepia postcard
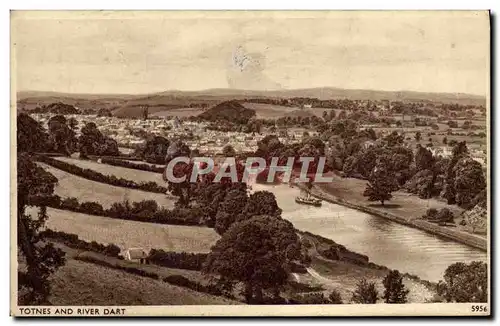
[250,163]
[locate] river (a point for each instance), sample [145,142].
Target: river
[385,242]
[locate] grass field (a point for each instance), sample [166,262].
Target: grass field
[269,111]
[70,185]
[80,283]
[344,278]
[181,112]
[130,234]
[402,203]
[119,172]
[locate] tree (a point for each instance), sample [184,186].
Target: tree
[145,112]
[256,253]
[62,139]
[177,149]
[93,142]
[335,297]
[424,159]
[260,203]
[469,181]
[31,136]
[394,139]
[449,192]
[445,140]
[381,184]
[465,282]
[40,258]
[228,151]
[418,136]
[324,115]
[365,292]
[395,291]
[185,189]
[155,150]
[229,209]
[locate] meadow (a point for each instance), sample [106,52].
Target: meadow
[70,185]
[81,283]
[119,172]
[131,234]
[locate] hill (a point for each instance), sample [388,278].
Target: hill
[80,283]
[70,185]
[128,104]
[300,113]
[131,234]
[230,111]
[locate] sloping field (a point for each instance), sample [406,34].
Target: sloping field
[70,185]
[131,234]
[118,171]
[269,111]
[80,283]
[344,277]
[181,112]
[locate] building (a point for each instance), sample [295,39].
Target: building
[137,254]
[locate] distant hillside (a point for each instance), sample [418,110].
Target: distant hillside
[230,111]
[57,108]
[300,113]
[128,104]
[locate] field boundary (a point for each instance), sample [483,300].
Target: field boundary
[99,177]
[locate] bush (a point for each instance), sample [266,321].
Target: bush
[180,280]
[128,269]
[72,241]
[182,260]
[309,298]
[335,297]
[91,208]
[430,214]
[143,211]
[99,177]
[131,165]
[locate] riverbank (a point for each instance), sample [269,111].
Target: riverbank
[408,218]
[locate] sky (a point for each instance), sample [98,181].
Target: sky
[144,52]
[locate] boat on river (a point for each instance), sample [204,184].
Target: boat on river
[306,199]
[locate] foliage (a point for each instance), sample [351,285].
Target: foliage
[181,260]
[155,150]
[449,192]
[57,108]
[228,151]
[334,297]
[93,142]
[131,165]
[469,181]
[381,184]
[229,209]
[42,258]
[260,203]
[365,292]
[395,291]
[465,282]
[72,241]
[231,111]
[255,252]
[31,136]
